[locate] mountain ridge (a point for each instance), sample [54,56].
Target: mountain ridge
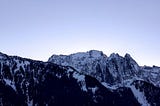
[85,59]
[115,81]
[113,72]
[25,82]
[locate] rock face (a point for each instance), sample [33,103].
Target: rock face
[113,70]
[116,71]
[25,82]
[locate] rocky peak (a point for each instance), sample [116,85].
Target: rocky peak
[28,82]
[95,53]
[115,67]
[112,70]
[127,55]
[130,60]
[115,72]
[25,82]
[114,56]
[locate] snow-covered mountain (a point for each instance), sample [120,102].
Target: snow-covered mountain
[82,79]
[113,70]
[116,71]
[25,82]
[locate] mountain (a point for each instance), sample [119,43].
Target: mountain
[115,72]
[26,82]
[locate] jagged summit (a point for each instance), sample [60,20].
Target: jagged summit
[25,82]
[127,55]
[88,54]
[114,56]
[117,68]
[86,78]
[96,63]
[114,71]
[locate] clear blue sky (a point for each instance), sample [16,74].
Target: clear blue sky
[39,28]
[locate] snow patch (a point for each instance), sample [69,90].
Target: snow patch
[58,76]
[69,70]
[10,83]
[78,77]
[139,96]
[93,89]
[30,103]
[81,80]
[113,87]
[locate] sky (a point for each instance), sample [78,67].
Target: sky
[37,29]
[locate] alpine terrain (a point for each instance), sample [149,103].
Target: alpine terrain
[115,72]
[80,79]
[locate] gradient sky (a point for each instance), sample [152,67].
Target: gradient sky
[39,28]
